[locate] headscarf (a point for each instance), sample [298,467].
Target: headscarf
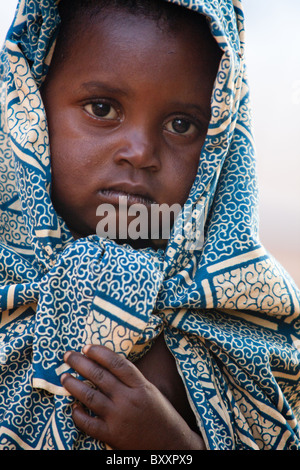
[228,311]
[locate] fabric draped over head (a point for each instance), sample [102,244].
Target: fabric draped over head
[228,311]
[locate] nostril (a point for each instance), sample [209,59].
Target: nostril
[139,154]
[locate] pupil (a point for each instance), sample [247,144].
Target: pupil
[180,125]
[101,109]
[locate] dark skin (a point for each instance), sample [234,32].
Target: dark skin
[132,413]
[130,118]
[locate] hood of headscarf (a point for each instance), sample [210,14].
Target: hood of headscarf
[231,273]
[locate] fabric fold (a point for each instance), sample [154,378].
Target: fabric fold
[228,311]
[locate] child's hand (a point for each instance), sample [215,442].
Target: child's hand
[131,413]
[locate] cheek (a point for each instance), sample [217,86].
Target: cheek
[180,179]
[68,173]
[72,147]
[71,159]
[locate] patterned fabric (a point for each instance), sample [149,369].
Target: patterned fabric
[229,312]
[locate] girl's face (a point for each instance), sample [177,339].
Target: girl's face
[128,113]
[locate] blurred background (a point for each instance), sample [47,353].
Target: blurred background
[273,40]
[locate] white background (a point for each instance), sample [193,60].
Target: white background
[273,58]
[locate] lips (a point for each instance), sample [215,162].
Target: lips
[134,194]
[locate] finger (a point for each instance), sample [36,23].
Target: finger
[86,367]
[117,364]
[92,398]
[93,427]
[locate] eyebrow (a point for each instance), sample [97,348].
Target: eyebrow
[193,108]
[96,86]
[100,87]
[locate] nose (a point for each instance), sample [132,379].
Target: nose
[138,148]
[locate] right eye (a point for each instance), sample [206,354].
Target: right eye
[101,110]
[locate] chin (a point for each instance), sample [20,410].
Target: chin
[140,244]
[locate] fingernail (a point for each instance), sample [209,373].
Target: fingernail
[63,376]
[66,356]
[86,348]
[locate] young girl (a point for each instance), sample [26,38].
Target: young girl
[172,348]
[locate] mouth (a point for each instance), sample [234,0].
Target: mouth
[128,193]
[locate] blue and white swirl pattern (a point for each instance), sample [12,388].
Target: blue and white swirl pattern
[229,313]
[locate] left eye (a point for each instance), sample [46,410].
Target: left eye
[180,126]
[101,110]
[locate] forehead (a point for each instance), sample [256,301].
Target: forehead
[115,38]
[167,15]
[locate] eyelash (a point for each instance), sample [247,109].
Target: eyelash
[193,126]
[193,123]
[104,103]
